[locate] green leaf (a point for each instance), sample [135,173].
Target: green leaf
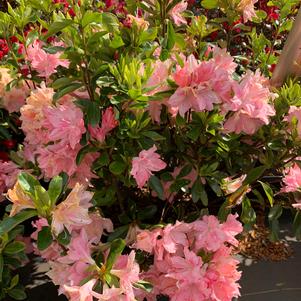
[248,215]
[268,191]
[92,111]
[57,26]
[147,212]
[11,222]
[14,281]
[41,200]
[103,160]
[117,167]
[224,211]
[44,238]
[254,174]
[144,285]
[156,185]
[17,293]
[28,183]
[14,248]
[275,212]
[153,135]
[118,233]
[55,189]
[198,192]
[110,22]
[64,237]
[209,4]
[171,36]
[116,42]
[70,88]
[91,17]
[116,249]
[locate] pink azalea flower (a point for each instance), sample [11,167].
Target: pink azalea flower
[201,85]
[14,99]
[143,165]
[232,227]
[292,179]
[108,124]
[110,294]
[80,293]
[295,113]
[210,234]
[83,173]
[176,13]
[64,123]
[230,185]
[73,211]
[56,158]
[8,176]
[127,270]
[79,250]
[250,104]
[247,7]
[32,114]
[41,61]
[19,199]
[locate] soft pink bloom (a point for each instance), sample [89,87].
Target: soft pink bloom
[96,228]
[79,250]
[295,113]
[230,185]
[292,179]
[108,123]
[232,227]
[8,176]
[41,61]
[59,274]
[143,165]
[247,7]
[56,158]
[64,123]
[210,234]
[127,270]
[250,104]
[73,211]
[201,85]
[80,293]
[5,79]
[14,99]
[19,199]
[83,173]
[176,13]
[32,114]
[145,240]
[110,294]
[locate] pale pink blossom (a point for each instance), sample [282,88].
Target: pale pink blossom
[5,79]
[127,270]
[56,158]
[8,176]
[83,173]
[19,199]
[230,185]
[32,114]
[250,104]
[79,250]
[248,9]
[80,293]
[176,13]
[108,123]
[200,85]
[64,123]
[41,61]
[73,211]
[143,165]
[292,179]
[14,99]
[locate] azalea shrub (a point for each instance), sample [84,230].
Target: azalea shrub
[138,138]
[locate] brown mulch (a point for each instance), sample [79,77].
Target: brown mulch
[256,244]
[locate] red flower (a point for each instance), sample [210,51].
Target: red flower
[9,143]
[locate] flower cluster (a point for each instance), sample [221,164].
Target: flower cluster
[193,261]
